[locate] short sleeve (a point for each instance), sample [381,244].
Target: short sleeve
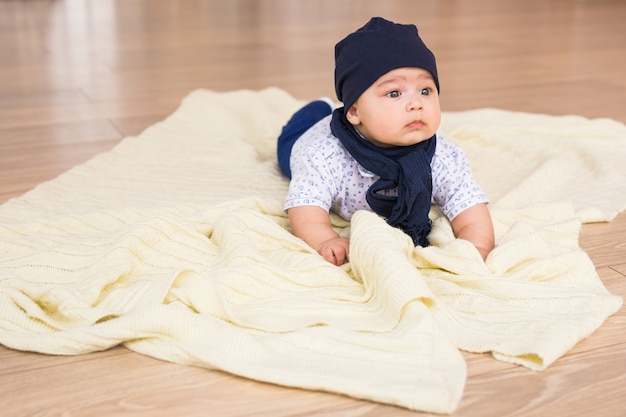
[313,169]
[454,187]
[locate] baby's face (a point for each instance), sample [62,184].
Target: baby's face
[401,108]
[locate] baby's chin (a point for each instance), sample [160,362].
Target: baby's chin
[409,141]
[397,143]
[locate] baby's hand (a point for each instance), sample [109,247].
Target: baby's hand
[335,250]
[312,224]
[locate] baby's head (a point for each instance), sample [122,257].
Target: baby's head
[372,51]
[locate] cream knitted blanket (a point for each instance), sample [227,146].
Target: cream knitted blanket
[175,244]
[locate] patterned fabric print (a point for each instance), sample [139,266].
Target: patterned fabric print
[325,175]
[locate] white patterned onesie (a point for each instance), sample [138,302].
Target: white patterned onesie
[325,175]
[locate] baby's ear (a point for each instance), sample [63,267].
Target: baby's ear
[353,115]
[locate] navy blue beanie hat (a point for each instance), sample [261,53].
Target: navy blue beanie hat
[372,51]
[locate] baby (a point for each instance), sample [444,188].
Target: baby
[381,150]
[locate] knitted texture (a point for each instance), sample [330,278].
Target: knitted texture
[406,169]
[175,245]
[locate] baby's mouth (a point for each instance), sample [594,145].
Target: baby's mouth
[416,124]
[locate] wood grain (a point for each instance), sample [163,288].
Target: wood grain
[76,76]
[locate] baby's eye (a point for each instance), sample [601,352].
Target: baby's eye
[393,94]
[425,91]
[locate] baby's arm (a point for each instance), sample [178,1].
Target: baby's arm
[475,225]
[312,224]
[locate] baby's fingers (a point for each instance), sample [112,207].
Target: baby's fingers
[335,253]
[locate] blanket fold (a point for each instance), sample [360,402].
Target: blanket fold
[175,245]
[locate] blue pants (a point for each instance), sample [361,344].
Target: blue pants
[299,123]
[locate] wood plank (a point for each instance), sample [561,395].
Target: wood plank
[78,76]
[602,249]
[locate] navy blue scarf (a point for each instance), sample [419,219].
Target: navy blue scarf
[406,168]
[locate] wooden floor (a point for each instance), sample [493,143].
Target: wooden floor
[76,76]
